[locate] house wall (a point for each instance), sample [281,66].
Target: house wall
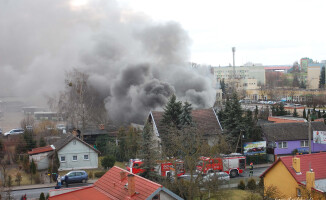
[41,160]
[80,149]
[281,178]
[296,144]
[165,196]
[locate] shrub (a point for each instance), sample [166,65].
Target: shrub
[99,174]
[42,197]
[251,185]
[108,161]
[241,185]
[47,196]
[90,175]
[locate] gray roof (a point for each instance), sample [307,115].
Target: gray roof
[65,140]
[290,131]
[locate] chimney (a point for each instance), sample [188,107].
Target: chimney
[296,164]
[310,179]
[131,184]
[122,175]
[101,126]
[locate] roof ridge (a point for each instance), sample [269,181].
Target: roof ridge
[138,176]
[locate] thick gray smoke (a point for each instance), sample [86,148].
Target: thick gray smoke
[134,62]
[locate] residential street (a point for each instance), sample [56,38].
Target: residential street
[35,193]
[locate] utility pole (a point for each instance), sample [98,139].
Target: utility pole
[309,132]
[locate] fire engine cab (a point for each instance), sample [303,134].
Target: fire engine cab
[164,168]
[233,164]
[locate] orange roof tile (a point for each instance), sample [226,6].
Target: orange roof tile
[40,150]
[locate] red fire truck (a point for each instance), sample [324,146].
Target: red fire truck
[233,164]
[164,168]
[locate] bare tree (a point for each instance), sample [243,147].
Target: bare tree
[80,103]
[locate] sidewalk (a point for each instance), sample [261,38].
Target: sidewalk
[45,185]
[262,165]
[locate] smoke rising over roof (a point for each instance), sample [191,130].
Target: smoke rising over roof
[134,62]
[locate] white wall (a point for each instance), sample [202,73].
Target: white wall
[79,149]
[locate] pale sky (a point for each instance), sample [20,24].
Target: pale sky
[276,32]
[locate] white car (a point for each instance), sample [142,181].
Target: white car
[14,132]
[61,126]
[221,176]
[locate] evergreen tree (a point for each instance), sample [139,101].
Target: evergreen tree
[256,114]
[304,115]
[282,110]
[185,117]
[223,87]
[42,142]
[42,196]
[148,154]
[319,114]
[32,168]
[302,84]
[308,114]
[232,120]
[295,113]
[122,136]
[248,120]
[172,112]
[322,78]
[108,161]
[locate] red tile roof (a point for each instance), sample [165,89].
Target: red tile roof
[316,161]
[110,183]
[85,193]
[40,150]
[109,186]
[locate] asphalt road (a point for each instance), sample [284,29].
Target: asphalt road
[35,193]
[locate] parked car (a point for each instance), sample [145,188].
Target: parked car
[29,127]
[14,132]
[75,177]
[61,126]
[221,176]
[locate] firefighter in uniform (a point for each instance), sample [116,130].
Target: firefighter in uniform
[251,172]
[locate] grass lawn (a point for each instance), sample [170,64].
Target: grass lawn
[26,178]
[235,194]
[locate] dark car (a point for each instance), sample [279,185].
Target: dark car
[75,177]
[0,131]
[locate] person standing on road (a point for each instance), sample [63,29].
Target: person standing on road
[59,181]
[66,180]
[251,168]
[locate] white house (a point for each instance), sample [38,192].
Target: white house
[74,153]
[40,156]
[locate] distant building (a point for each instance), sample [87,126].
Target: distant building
[304,63]
[313,77]
[284,138]
[52,116]
[252,72]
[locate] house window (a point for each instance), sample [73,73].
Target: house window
[74,158]
[63,158]
[304,143]
[298,192]
[283,145]
[85,157]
